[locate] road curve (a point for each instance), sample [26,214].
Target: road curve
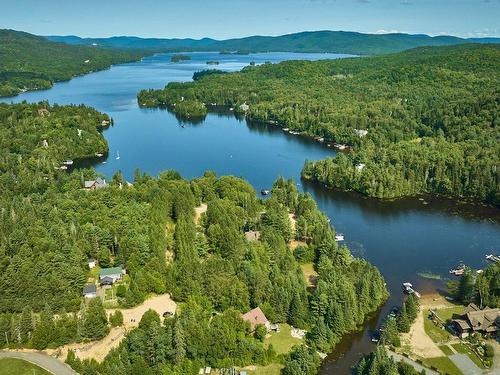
[42,360]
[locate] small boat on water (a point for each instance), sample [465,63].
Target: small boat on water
[459,271]
[493,258]
[68,162]
[339,237]
[99,154]
[117,155]
[408,289]
[264,192]
[285,129]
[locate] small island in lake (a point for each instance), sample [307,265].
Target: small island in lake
[179,57]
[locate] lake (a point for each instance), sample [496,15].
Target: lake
[402,238]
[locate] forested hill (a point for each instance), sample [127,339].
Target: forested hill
[30,62]
[420,121]
[311,41]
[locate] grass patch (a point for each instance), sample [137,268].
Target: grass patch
[9,366]
[272,369]
[435,332]
[443,364]
[309,273]
[446,349]
[282,341]
[447,313]
[464,349]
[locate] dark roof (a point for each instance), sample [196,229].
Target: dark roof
[91,288]
[106,280]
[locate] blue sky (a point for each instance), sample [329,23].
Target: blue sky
[235,18]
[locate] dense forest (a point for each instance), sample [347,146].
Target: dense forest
[420,121]
[482,289]
[50,226]
[309,41]
[29,62]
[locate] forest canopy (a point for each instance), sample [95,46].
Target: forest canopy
[29,62]
[420,121]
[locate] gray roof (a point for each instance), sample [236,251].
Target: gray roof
[90,288]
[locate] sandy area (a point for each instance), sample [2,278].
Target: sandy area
[131,317]
[293,221]
[198,211]
[419,342]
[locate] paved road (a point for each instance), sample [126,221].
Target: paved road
[465,364]
[43,360]
[416,366]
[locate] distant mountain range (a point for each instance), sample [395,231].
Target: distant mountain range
[313,41]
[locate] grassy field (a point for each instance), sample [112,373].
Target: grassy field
[443,364]
[272,369]
[462,348]
[436,333]
[282,341]
[447,314]
[446,349]
[11,366]
[309,273]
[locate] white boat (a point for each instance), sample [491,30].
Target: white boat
[117,155]
[408,289]
[493,258]
[68,162]
[339,237]
[99,154]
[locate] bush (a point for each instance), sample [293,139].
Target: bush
[260,332]
[489,352]
[116,319]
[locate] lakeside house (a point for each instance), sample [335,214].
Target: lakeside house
[90,291]
[113,274]
[475,320]
[98,183]
[255,317]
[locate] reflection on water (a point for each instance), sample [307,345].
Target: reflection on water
[402,238]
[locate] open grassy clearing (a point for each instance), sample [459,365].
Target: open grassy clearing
[11,366]
[446,349]
[282,341]
[443,364]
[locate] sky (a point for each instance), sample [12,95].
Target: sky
[222,19]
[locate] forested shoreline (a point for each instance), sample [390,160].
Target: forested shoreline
[27,62]
[420,121]
[50,226]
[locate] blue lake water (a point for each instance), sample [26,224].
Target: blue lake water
[402,238]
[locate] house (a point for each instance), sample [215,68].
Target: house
[90,291]
[361,132]
[244,107]
[106,281]
[92,263]
[255,317]
[252,235]
[114,273]
[475,320]
[360,167]
[43,112]
[98,183]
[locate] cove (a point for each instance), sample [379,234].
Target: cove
[402,238]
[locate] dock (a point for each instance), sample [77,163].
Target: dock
[493,258]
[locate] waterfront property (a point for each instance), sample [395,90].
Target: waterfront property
[98,183]
[475,320]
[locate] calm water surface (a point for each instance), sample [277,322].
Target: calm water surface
[401,238]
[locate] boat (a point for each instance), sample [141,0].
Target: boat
[339,237]
[408,289]
[493,258]
[285,129]
[459,271]
[264,192]
[117,155]
[99,154]
[68,162]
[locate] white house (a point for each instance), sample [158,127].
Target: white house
[90,291]
[92,263]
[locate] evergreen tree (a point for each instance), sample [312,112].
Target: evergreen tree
[94,321]
[402,320]
[179,343]
[26,324]
[44,329]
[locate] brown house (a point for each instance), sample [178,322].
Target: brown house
[485,321]
[255,317]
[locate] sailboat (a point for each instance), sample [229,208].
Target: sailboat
[117,155]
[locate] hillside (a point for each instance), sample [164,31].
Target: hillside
[30,62]
[429,116]
[313,41]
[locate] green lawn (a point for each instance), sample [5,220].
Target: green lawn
[446,349]
[447,313]
[11,366]
[443,364]
[282,341]
[462,348]
[272,369]
[436,333]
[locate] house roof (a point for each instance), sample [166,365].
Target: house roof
[107,280]
[255,316]
[483,319]
[90,288]
[89,184]
[463,324]
[110,271]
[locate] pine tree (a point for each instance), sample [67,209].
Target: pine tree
[94,324]
[26,324]
[179,343]
[412,307]
[402,321]
[44,330]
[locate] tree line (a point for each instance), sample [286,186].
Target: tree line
[419,121]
